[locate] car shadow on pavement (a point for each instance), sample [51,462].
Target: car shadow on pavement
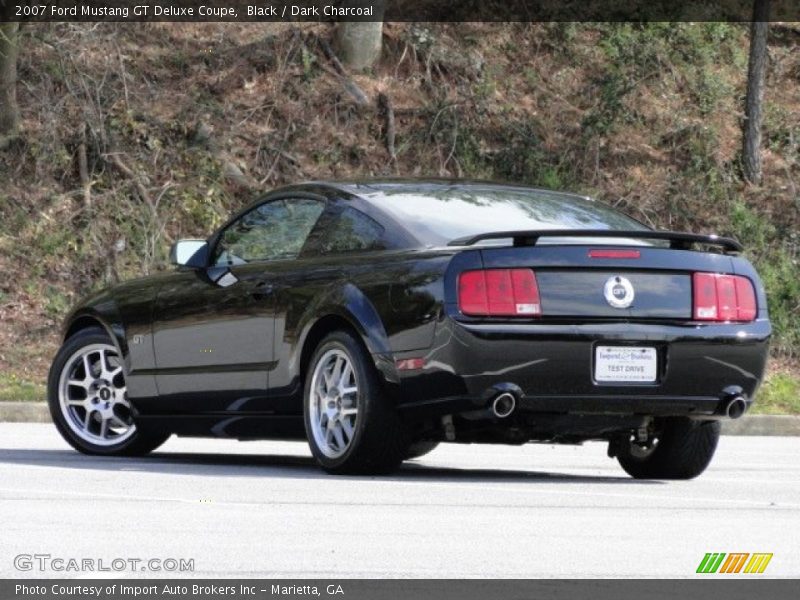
[284,466]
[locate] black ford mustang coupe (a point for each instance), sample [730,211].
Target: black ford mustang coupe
[379,318]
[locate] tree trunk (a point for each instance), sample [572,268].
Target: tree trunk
[756,72]
[359,43]
[9,111]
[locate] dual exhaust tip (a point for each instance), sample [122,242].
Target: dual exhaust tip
[735,407]
[503,405]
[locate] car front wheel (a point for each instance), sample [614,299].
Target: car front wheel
[88,399]
[351,425]
[682,449]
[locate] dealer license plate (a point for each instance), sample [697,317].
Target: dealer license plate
[625,364]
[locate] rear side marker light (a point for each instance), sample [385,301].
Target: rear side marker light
[608,253]
[499,293]
[723,298]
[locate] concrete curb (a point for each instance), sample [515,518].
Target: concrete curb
[763,425]
[37,412]
[24,412]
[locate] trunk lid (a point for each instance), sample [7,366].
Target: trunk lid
[615,293]
[655,285]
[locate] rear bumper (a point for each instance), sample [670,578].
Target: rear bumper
[549,367]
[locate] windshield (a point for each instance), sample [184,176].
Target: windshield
[439,214]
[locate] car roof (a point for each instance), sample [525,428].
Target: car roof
[367,187]
[400,205]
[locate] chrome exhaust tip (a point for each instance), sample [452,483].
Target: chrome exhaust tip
[503,405]
[735,408]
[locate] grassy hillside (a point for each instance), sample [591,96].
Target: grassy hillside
[181,123]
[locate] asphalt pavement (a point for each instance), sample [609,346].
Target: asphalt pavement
[263,509]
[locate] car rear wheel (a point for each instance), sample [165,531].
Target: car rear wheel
[351,426]
[682,449]
[88,399]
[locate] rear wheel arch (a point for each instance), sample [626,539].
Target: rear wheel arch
[321,328]
[337,321]
[345,308]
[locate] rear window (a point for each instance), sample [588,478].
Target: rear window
[441,214]
[350,231]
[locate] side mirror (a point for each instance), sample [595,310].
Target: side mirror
[189,253]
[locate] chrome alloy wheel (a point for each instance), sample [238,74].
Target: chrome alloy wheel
[93,396]
[333,403]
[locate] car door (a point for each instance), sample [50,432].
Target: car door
[214,327]
[343,242]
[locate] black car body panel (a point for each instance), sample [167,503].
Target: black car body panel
[221,350]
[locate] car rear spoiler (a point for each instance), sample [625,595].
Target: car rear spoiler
[677,240]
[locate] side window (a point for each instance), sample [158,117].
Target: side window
[275,230]
[349,230]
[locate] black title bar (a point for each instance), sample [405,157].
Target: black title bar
[393,10]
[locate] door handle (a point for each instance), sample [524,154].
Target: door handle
[262,289]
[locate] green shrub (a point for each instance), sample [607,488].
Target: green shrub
[14,389]
[779,395]
[775,255]
[57,303]
[637,53]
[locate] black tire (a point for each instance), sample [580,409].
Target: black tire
[683,450]
[420,448]
[139,443]
[379,441]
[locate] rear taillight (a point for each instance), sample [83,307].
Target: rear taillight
[723,298]
[499,293]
